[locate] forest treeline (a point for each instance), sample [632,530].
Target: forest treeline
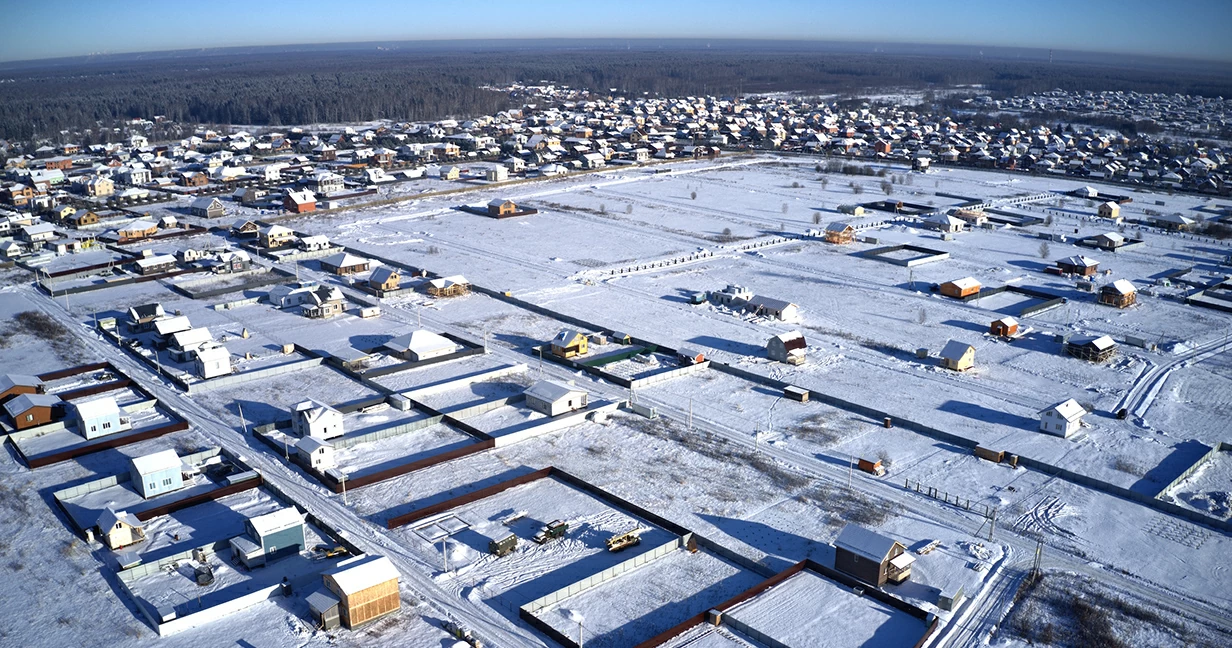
[336,86]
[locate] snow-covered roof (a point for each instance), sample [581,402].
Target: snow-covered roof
[156,260]
[1008,321]
[1069,410]
[277,521]
[363,572]
[213,353]
[311,444]
[154,462]
[769,303]
[565,337]
[185,339]
[96,408]
[864,543]
[109,518]
[26,402]
[382,274]
[445,282]
[9,381]
[838,226]
[170,325]
[139,225]
[551,391]
[955,350]
[1101,343]
[206,202]
[312,409]
[966,283]
[343,260]
[1078,261]
[1121,287]
[420,342]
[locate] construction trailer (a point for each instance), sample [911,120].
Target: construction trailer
[503,546]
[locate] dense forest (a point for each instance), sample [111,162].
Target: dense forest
[314,86]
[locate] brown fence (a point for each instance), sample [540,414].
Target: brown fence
[489,491]
[420,464]
[50,458]
[73,371]
[95,389]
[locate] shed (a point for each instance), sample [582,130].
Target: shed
[871,557]
[960,288]
[957,356]
[344,263]
[157,473]
[32,410]
[317,454]
[945,223]
[97,418]
[552,398]
[1005,327]
[366,588]
[689,357]
[118,529]
[1120,293]
[316,419]
[787,347]
[1062,419]
[417,346]
[569,343]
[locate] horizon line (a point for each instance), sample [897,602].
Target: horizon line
[610,39]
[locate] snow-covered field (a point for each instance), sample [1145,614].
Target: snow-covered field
[777,497]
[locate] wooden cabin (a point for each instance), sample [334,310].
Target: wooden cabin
[1078,265]
[871,557]
[358,592]
[1119,293]
[384,279]
[1005,327]
[840,233]
[960,288]
[957,356]
[502,208]
[569,343]
[1091,348]
[452,286]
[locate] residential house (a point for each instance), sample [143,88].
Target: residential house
[156,473]
[569,343]
[208,207]
[33,410]
[244,228]
[324,302]
[840,233]
[871,557]
[385,279]
[14,385]
[945,223]
[182,346]
[316,453]
[773,308]
[82,219]
[99,186]
[137,230]
[98,417]
[787,347]
[1173,222]
[957,356]
[1110,210]
[1108,241]
[450,286]
[165,327]
[275,236]
[502,208]
[314,243]
[211,361]
[156,264]
[1078,265]
[324,182]
[269,537]
[344,263]
[421,345]
[299,202]
[230,262]
[141,318]
[118,529]
[552,398]
[1120,293]
[292,294]
[39,233]
[450,172]
[960,288]
[358,592]
[1091,348]
[316,419]
[1062,419]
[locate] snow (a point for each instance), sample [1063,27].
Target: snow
[810,611]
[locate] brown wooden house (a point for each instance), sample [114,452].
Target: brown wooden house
[360,591]
[502,208]
[344,263]
[14,385]
[32,410]
[871,557]
[960,288]
[1078,265]
[839,232]
[1004,327]
[384,279]
[1119,293]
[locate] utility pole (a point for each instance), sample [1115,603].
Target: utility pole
[445,553]
[540,350]
[992,522]
[344,495]
[850,470]
[690,413]
[243,423]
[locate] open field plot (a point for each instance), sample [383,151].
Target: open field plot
[197,525]
[30,341]
[272,399]
[708,636]
[1195,400]
[810,611]
[640,604]
[89,257]
[439,373]
[507,419]
[341,332]
[1209,489]
[533,570]
[509,386]
[366,458]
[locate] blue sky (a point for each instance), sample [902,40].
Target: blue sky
[1181,28]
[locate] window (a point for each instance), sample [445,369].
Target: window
[153,485]
[93,428]
[167,482]
[107,425]
[29,417]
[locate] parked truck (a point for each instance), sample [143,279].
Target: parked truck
[504,546]
[872,467]
[551,531]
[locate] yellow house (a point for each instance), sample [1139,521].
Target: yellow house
[958,356]
[119,529]
[1110,210]
[569,343]
[450,172]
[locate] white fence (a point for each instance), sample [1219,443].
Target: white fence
[248,376]
[611,572]
[668,375]
[559,423]
[466,381]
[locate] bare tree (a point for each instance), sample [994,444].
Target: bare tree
[816,218]
[693,195]
[784,208]
[1048,220]
[922,318]
[887,187]
[629,208]
[602,208]
[1044,250]
[824,181]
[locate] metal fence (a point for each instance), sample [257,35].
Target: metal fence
[595,580]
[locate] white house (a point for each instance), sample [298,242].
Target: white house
[1062,419]
[421,345]
[552,398]
[317,454]
[157,473]
[212,360]
[313,418]
[98,418]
